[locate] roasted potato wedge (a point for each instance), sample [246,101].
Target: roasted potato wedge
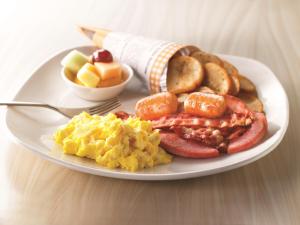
[230,69]
[235,87]
[184,74]
[204,57]
[246,84]
[251,101]
[205,89]
[217,78]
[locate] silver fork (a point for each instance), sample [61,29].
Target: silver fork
[100,109]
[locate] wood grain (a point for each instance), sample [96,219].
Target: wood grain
[35,191]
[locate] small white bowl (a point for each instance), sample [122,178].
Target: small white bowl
[101,93]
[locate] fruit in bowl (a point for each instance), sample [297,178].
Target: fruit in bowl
[98,71]
[96,77]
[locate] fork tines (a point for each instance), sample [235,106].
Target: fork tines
[105,107]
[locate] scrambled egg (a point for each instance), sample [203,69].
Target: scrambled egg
[131,144]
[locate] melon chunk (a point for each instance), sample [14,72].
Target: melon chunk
[74,61]
[110,82]
[109,70]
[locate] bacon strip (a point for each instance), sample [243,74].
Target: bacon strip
[227,121]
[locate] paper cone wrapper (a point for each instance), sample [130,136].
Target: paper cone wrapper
[148,57]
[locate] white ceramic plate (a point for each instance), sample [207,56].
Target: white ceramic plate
[34,127]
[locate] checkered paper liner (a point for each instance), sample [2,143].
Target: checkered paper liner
[148,57]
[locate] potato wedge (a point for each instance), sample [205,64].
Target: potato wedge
[184,74]
[235,87]
[205,89]
[204,57]
[217,78]
[251,101]
[246,84]
[230,69]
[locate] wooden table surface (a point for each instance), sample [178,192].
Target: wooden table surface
[35,191]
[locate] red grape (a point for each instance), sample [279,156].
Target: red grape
[102,55]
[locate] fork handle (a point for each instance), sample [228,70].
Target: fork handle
[32,104]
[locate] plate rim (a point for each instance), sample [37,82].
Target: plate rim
[150,176]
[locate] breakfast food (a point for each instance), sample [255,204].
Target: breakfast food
[252,102]
[230,69]
[205,104]
[251,137]
[217,78]
[78,81]
[235,87]
[88,76]
[202,107]
[246,84]
[111,82]
[156,106]
[184,74]
[129,144]
[98,71]
[74,61]
[210,124]
[102,55]
[109,70]
[222,76]
[186,148]
[204,57]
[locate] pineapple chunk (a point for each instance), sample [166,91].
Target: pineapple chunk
[74,61]
[78,81]
[109,70]
[88,75]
